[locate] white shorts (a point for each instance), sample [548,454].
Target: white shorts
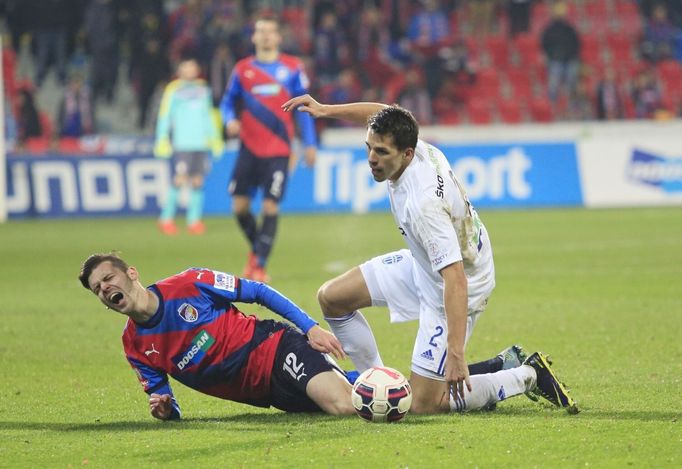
[390,282]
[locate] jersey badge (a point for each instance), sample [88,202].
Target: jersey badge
[188,312]
[282,73]
[393,259]
[428,355]
[223,281]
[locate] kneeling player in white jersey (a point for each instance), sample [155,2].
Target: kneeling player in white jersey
[444,279]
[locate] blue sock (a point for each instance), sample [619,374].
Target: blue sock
[171,206]
[196,206]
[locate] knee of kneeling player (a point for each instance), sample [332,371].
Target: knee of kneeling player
[325,299]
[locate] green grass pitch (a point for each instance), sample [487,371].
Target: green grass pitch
[600,291]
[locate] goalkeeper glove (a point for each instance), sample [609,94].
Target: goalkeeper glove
[163,148]
[217,148]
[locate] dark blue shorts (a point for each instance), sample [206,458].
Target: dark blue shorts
[251,173]
[296,363]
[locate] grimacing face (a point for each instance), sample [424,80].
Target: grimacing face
[385,160]
[113,287]
[266,35]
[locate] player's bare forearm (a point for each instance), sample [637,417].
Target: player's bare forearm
[455,300]
[353,112]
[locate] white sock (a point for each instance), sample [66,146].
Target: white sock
[357,339]
[494,387]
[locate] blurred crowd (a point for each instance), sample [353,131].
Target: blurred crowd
[449,61]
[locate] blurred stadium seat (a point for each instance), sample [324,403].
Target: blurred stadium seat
[541,110]
[509,111]
[478,111]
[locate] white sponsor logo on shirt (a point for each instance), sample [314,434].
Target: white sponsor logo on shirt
[223,281]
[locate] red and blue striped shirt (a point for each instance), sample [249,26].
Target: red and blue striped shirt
[260,89]
[202,340]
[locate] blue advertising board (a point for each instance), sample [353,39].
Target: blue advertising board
[514,175]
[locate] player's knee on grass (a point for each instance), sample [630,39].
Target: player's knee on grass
[429,396]
[331,392]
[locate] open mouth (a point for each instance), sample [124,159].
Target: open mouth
[116,297]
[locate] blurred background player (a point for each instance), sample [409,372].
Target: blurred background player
[187,326]
[259,85]
[184,129]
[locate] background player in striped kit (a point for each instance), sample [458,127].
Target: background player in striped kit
[259,85]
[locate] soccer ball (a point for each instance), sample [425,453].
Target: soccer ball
[381,394]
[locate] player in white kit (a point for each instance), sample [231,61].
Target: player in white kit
[444,279]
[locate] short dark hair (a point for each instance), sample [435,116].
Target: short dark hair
[268,17]
[397,122]
[94,260]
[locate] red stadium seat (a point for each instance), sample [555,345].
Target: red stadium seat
[626,8]
[600,25]
[69,145]
[520,83]
[498,50]
[510,111]
[37,145]
[670,70]
[46,124]
[528,49]
[591,50]
[488,82]
[632,25]
[450,117]
[628,106]
[541,110]
[540,14]
[595,9]
[478,111]
[620,47]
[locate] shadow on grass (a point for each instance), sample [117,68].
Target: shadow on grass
[589,414]
[246,421]
[256,422]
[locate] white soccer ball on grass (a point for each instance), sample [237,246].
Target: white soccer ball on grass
[381,394]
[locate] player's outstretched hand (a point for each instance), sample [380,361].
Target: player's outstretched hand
[325,342]
[160,405]
[457,375]
[305,103]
